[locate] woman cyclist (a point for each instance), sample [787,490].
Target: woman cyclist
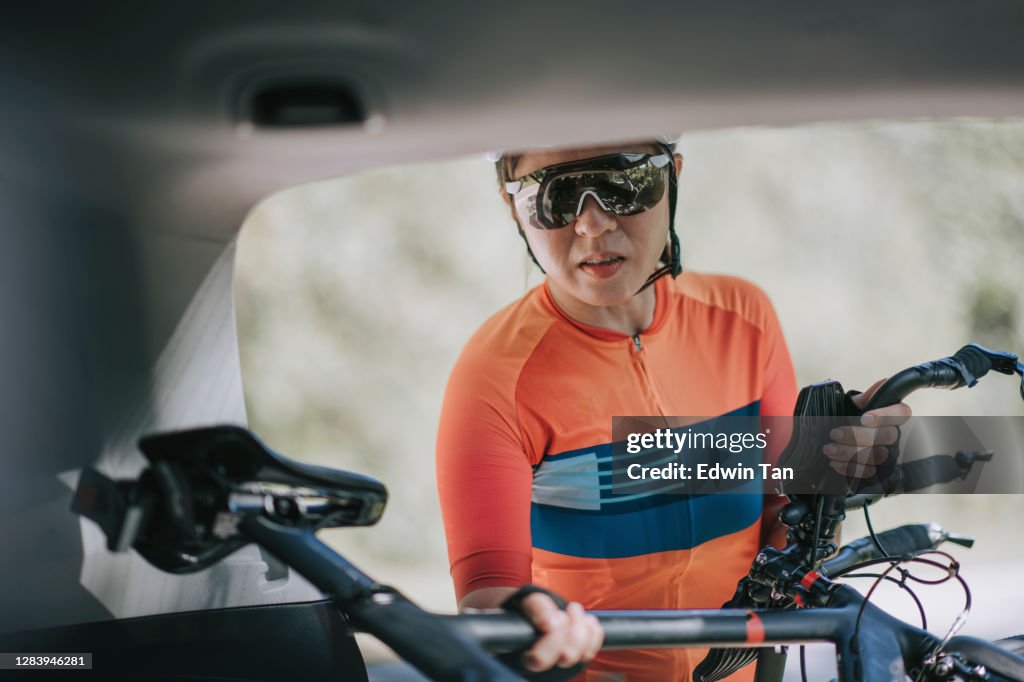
[525,429]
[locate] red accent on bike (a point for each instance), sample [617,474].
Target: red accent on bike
[755,628]
[799,601]
[809,579]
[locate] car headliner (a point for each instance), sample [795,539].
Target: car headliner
[129,163]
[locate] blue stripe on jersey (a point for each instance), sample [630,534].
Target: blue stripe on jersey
[574,512]
[682,523]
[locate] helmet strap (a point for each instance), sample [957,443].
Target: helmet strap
[672,255]
[528,249]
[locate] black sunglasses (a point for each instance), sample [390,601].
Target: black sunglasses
[625,184]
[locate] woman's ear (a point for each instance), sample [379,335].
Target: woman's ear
[678,158]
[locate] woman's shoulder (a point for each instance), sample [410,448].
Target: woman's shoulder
[505,341]
[724,292]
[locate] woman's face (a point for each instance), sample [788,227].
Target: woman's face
[600,259]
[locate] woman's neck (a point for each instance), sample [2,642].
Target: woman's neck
[629,318]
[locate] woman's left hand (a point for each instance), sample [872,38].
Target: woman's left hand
[857,451]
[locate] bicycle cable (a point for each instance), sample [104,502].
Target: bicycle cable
[952,571]
[903,586]
[813,552]
[871,531]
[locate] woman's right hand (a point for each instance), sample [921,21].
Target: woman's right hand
[567,637]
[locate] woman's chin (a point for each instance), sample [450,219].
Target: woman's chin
[607,293]
[581,288]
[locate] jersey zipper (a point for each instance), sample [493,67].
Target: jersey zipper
[640,361]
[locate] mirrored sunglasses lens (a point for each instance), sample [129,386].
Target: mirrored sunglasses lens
[649,184]
[623,192]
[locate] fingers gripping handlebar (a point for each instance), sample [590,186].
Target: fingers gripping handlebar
[820,405]
[783,578]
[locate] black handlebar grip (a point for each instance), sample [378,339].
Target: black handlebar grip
[964,368]
[896,542]
[930,471]
[975,360]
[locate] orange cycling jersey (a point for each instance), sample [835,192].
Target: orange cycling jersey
[524,450]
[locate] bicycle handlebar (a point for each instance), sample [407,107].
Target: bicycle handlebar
[896,542]
[453,648]
[963,368]
[500,631]
[883,648]
[870,656]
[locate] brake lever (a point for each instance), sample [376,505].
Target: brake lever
[1004,362]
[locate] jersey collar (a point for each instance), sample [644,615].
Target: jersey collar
[661,294]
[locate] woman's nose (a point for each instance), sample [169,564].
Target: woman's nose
[592,220]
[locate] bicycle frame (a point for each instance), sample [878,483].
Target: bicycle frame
[449,647]
[210,491]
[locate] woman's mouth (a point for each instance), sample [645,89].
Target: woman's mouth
[602,267]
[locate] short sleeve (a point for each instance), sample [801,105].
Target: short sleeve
[484,479]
